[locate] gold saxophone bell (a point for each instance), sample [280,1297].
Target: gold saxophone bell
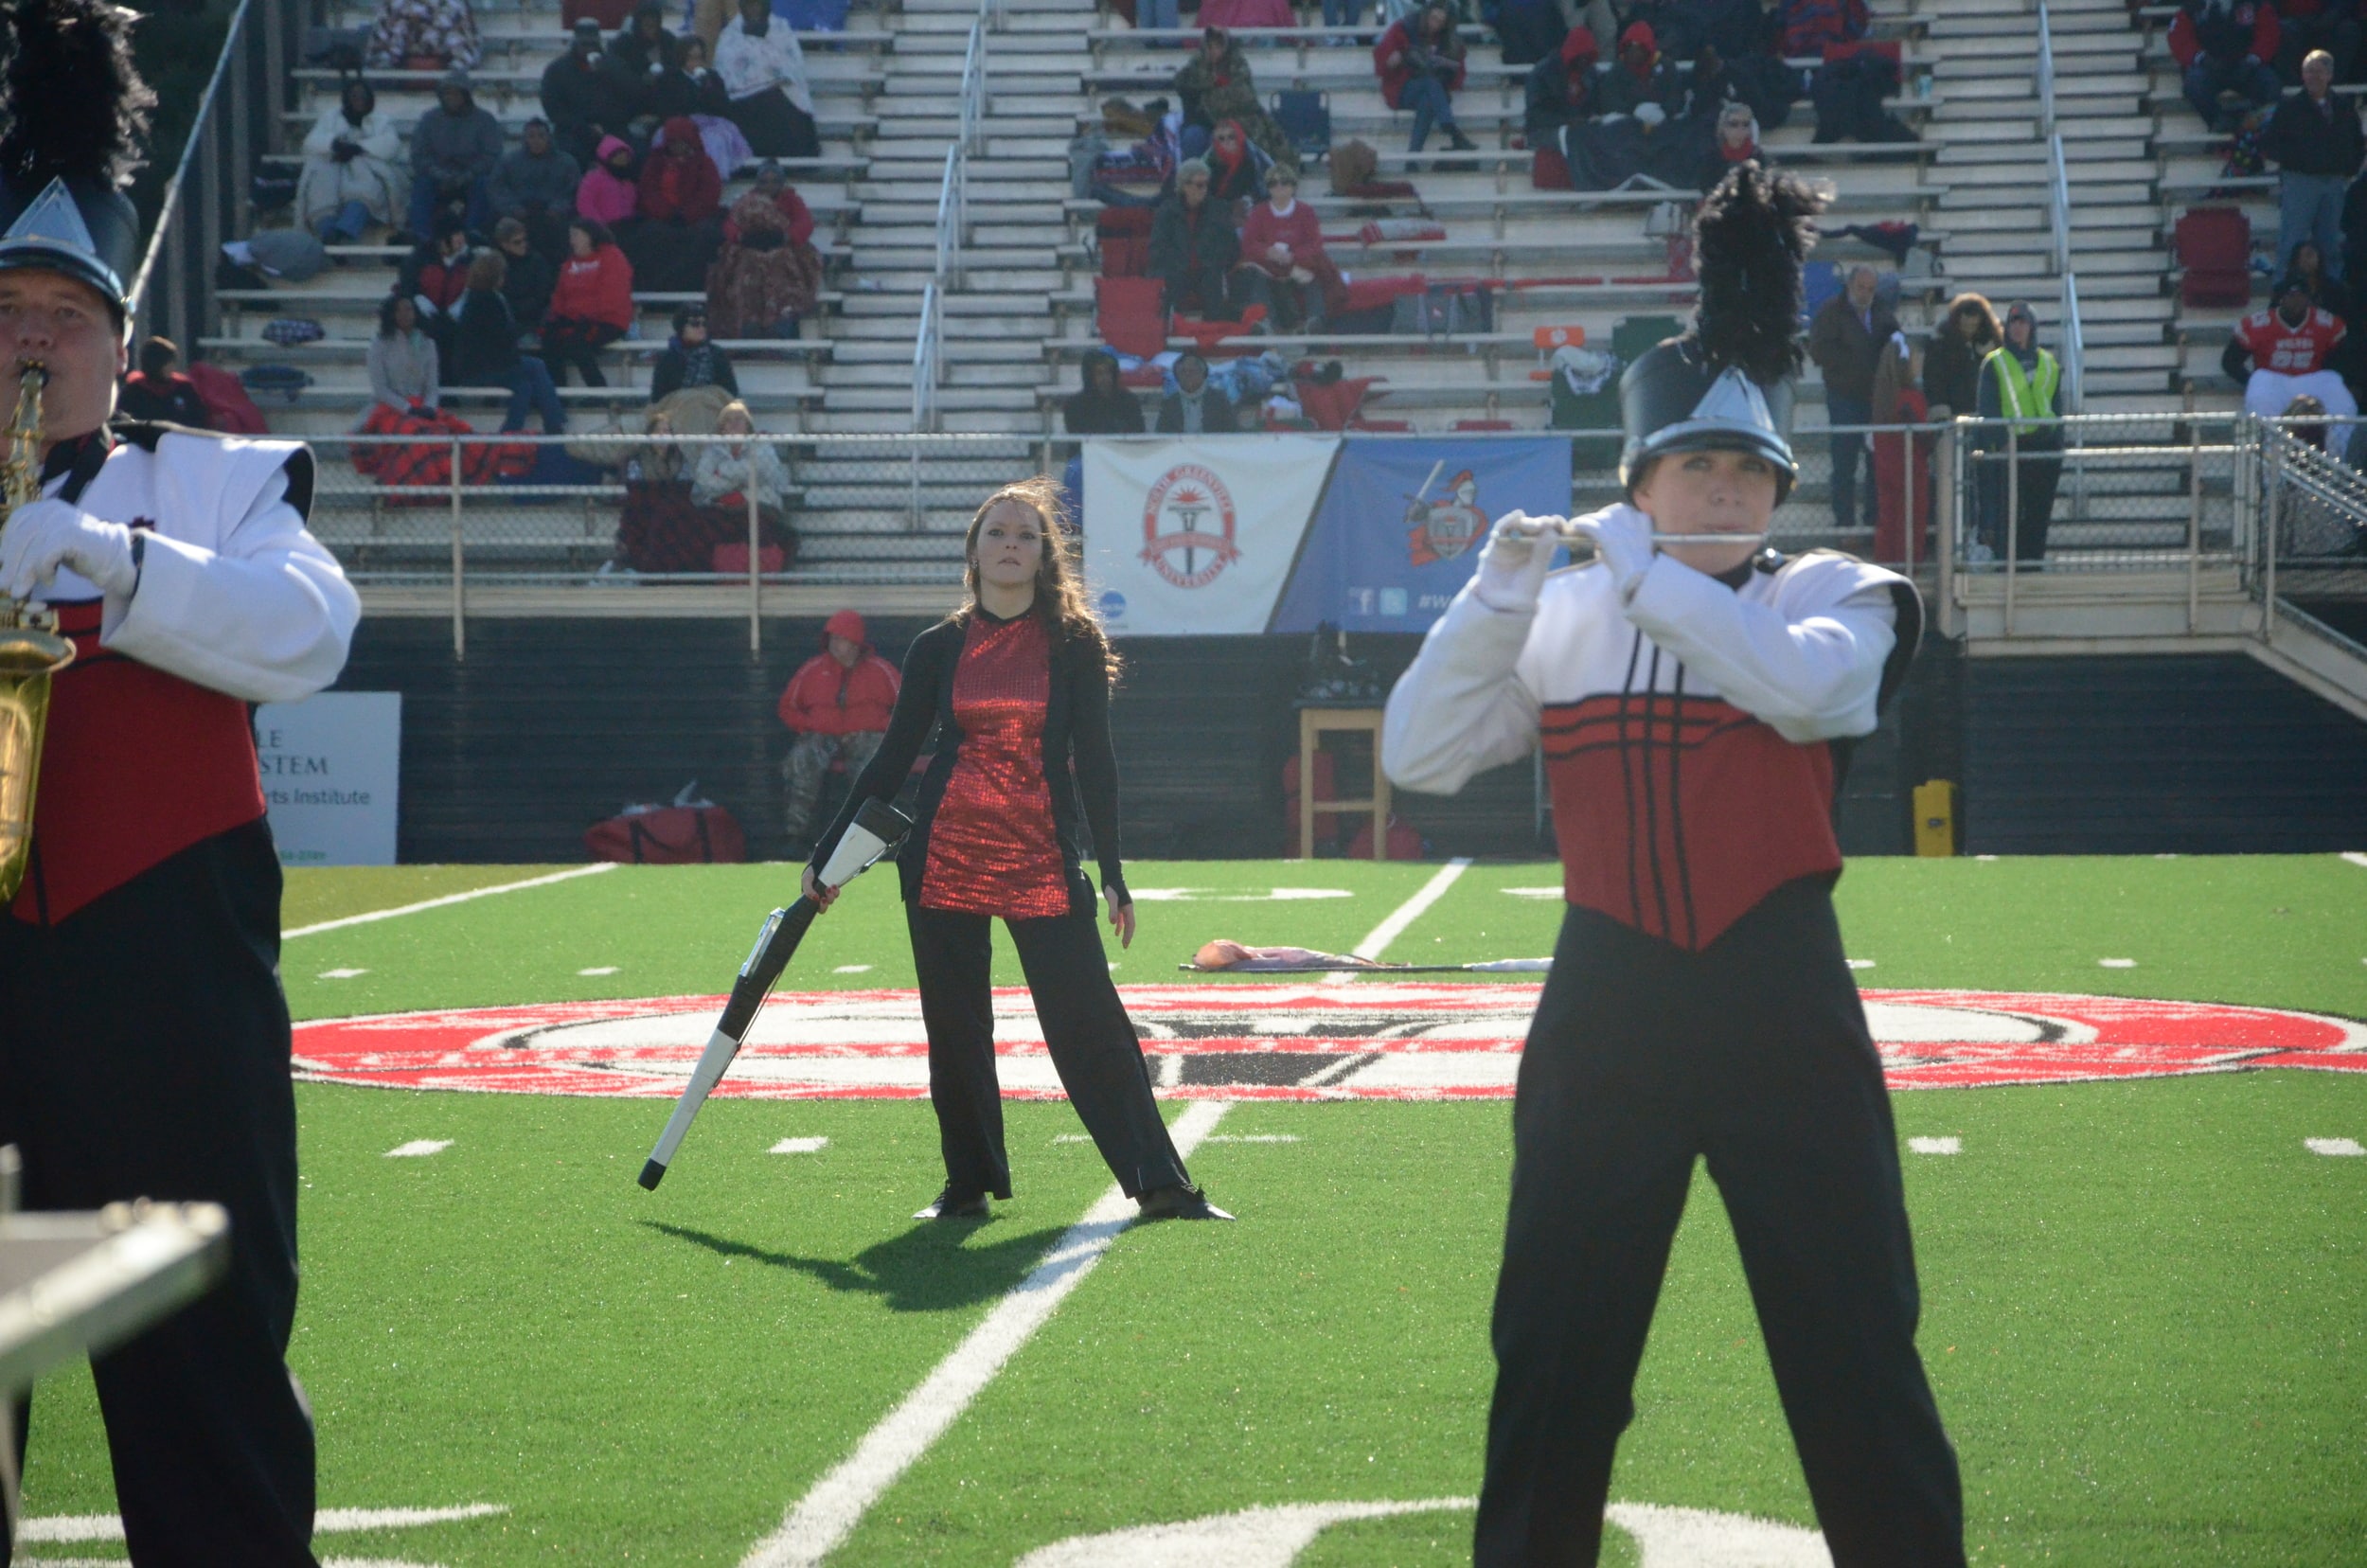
[30,650]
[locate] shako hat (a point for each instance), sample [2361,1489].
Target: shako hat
[1726,385]
[75,110]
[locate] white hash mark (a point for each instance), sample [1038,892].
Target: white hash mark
[449,899]
[419,1148]
[604,969]
[799,1145]
[1861,963]
[2116,963]
[2333,1145]
[1251,1137]
[852,969]
[342,973]
[66,1527]
[1937,1146]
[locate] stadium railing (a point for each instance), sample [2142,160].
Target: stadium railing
[239,117]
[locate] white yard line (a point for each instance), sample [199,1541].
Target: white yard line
[1411,910]
[418,1149]
[828,1514]
[2356,857]
[339,924]
[1378,940]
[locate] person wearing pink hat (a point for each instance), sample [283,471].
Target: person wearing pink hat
[837,705]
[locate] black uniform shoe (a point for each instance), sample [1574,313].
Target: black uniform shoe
[1458,141]
[955,1203]
[1178,1202]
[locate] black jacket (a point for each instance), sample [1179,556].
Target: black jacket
[1951,372]
[527,288]
[1548,101]
[2305,141]
[1087,413]
[576,97]
[1217,414]
[1178,245]
[1075,726]
[673,371]
[674,92]
[484,346]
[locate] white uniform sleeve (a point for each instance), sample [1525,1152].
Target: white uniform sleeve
[1815,677]
[1462,706]
[268,617]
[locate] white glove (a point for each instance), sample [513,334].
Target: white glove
[1623,537]
[46,535]
[1651,114]
[1512,569]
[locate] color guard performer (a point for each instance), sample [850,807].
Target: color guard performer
[1696,703]
[144,1041]
[1015,685]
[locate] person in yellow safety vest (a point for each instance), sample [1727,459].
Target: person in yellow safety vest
[2022,384]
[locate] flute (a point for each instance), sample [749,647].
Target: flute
[1561,528]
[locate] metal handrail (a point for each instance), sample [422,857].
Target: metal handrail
[974,100]
[952,217]
[170,209]
[2046,72]
[2074,348]
[927,359]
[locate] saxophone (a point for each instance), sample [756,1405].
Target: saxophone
[30,650]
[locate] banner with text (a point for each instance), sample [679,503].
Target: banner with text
[331,766]
[1197,536]
[1401,524]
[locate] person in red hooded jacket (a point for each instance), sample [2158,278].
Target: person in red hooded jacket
[837,705]
[681,205]
[592,304]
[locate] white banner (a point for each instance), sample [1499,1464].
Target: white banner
[1197,536]
[331,766]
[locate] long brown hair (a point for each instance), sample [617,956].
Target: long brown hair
[1059,601]
[1976,308]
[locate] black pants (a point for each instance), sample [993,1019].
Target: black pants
[572,340]
[1753,1053]
[144,1052]
[775,128]
[1092,1045]
[2030,500]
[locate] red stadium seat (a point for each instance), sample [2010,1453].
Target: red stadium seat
[2215,248]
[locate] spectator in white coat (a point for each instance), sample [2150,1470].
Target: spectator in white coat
[764,71]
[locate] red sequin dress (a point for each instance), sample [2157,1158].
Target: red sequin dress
[991,849]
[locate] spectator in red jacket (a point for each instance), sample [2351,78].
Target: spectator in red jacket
[1420,69]
[681,202]
[2225,46]
[837,705]
[1282,240]
[157,391]
[592,305]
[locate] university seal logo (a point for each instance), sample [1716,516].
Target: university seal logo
[1187,527]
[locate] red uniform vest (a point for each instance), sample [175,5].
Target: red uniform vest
[137,766]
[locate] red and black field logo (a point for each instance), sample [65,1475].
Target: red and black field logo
[1363,1041]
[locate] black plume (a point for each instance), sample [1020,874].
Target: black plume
[1750,237]
[77,105]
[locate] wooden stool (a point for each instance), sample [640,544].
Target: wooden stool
[1313,722]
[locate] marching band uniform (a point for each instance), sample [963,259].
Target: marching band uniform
[995,833]
[1695,731]
[144,1043]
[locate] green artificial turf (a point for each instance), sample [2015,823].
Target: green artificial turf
[2143,1301]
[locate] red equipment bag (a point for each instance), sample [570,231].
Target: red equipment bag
[1548,169]
[668,835]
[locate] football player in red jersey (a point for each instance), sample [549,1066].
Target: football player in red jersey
[2283,352]
[1696,702]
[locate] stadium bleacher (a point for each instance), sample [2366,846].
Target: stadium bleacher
[1020,314]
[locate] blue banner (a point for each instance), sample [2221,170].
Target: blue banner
[1400,527]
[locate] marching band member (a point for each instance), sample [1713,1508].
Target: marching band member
[144,1040]
[1016,682]
[1696,702]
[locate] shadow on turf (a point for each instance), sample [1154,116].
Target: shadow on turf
[927,1269]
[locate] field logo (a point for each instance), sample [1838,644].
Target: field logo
[1189,526]
[1400,1041]
[1446,527]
